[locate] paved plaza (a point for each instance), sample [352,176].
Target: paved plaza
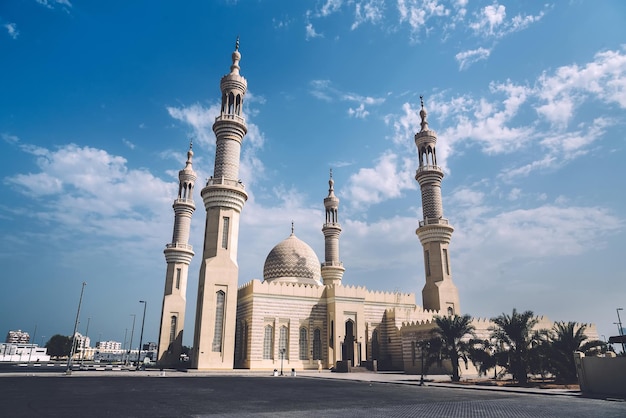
[246,394]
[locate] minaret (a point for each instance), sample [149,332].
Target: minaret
[224,197]
[332,268]
[439,292]
[178,255]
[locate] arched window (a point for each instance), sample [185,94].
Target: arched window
[283,339]
[303,344]
[173,322]
[268,343]
[317,344]
[220,300]
[450,311]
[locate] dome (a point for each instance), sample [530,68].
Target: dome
[292,261]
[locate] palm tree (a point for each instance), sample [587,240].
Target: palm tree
[568,338]
[452,331]
[515,337]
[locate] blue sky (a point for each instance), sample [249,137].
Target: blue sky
[98,101]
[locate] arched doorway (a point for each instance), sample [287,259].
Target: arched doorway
[347,348]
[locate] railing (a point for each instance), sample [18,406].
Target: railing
[183,200]
[230,116]
[179,245]
[332,264]
[434,221]
[227,182]
[429,167]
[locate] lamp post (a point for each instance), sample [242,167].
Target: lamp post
[130,346]
[621,331]
[145,304]
[282,356]
[69,359]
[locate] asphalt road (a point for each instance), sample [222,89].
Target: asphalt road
[243,396]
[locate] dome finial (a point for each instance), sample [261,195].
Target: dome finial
[237,44]
[423,115]
[292,227]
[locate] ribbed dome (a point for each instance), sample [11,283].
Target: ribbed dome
[292,261]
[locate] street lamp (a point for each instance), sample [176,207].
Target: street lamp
[145,304]
[130,346]
[69,359]
[282,356]
[621,330]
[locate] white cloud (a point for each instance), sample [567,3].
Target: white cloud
[50,3]
[330,7]
[567,88]
[417,12]
[359,112]
[12,30]
[128,143]
[388,179]
[88,190]
[323,90]
[467,58]
[201,120]
[368,11]
[491,21]
[311,33]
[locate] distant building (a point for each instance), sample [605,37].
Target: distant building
[151,346]
[14,352]
[109,345]
[82,341]
[18,337]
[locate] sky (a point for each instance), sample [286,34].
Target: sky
[99,101]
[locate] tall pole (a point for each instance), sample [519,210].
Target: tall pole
[145,304]
[130,345]
[82,353]
[32,342]
[69,360]
[621,331]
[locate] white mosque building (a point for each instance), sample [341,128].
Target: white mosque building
[300,314]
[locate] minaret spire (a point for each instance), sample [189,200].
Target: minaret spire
[178,255]
[332,268]
[439,292]
[224,197]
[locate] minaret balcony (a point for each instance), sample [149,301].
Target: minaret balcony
[229,117]
[332,264]
[429,167]
[179,245]
[434,221]
[184,201]
[226,182]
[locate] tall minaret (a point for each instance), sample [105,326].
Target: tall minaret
[178,255]
[332,268]
[224,197]
[439,292]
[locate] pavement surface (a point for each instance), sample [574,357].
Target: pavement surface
[52,393]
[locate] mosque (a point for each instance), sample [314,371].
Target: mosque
[300,314]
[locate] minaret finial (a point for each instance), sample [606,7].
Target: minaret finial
[189,153]
[331,184]
[237,44]
[292,228]
[423,115]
